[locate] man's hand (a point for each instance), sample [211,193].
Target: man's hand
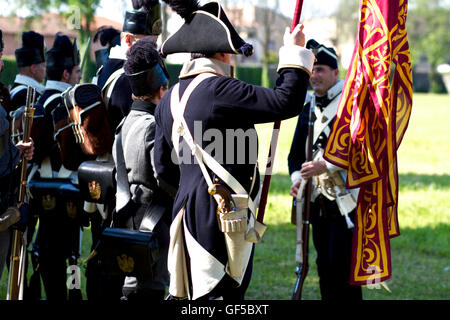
[27,148]
[294,188]
[296,37]
[313,168]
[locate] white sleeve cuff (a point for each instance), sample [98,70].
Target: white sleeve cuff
[292,56]
[331,167]
[295,176]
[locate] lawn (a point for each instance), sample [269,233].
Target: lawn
[420,255]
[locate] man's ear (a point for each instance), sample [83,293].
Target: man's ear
[65,76]
[162,90]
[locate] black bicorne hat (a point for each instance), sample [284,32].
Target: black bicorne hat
[144,19]
[206,30]
[64,53]
[323,54]
[144,68]
[32,51]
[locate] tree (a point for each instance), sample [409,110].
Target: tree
[79,12]
[347,17]
[428,24]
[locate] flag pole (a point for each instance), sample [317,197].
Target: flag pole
[274,140]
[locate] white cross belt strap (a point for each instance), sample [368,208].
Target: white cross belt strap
[17,90]
[109,85]
[180,127]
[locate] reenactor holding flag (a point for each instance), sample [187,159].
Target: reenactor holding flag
[332,207]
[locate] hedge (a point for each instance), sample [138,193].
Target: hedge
[251,75]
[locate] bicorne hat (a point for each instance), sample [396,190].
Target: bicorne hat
[32,51]
[144,19]
[206,30]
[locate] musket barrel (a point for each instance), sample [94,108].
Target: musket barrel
[17,260]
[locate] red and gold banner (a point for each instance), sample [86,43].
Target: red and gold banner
[372,118]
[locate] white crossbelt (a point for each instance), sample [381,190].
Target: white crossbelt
[180,128]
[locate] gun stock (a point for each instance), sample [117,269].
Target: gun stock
[302,269]
[18,250]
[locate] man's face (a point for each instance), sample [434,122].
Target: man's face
[75,76]
[38,71]
[323,78]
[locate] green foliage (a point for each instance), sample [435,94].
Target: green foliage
[265,81]
[250,74]
[428,24]
[70,9]
[9,70]
[90,69]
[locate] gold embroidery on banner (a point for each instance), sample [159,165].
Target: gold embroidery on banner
[371,120]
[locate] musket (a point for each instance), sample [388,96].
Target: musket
[302,268]
[86,52]
[18,250]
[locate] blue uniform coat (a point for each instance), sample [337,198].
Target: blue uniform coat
[220,103]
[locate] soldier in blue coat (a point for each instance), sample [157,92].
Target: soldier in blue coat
[143,21]
[9,173]
[30,59]
[213,139]
[332,206]
[56,213]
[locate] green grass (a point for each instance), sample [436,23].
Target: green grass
[420,255]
